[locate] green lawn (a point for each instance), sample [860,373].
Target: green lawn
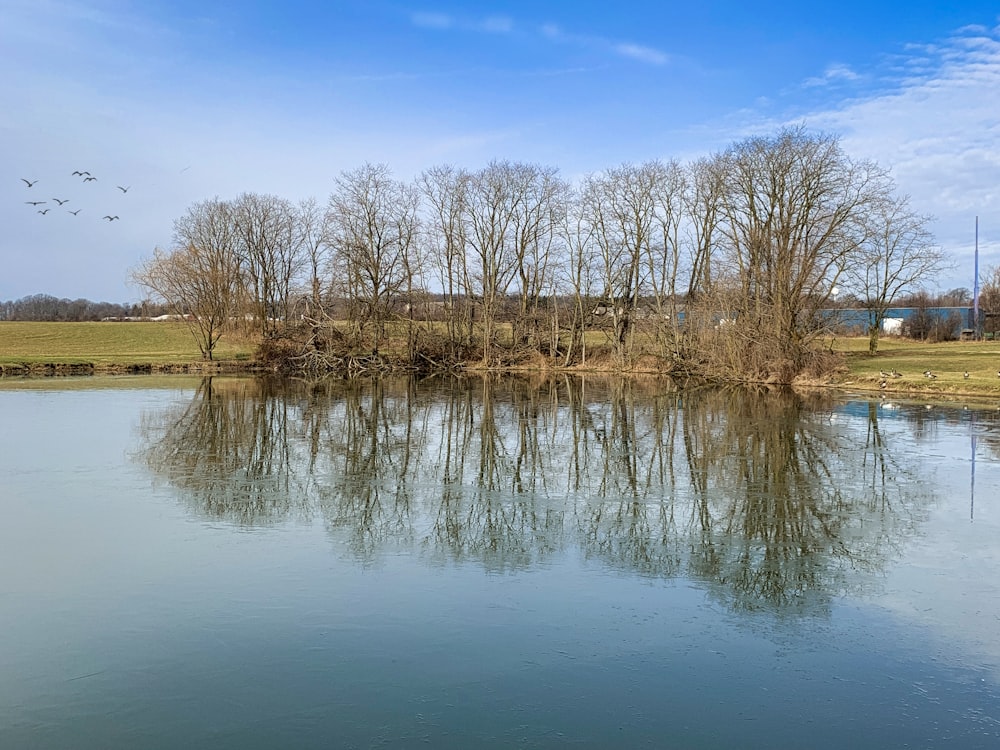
[949,360]
[118,343]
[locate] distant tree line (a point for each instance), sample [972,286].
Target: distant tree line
[716,268]
[39,307]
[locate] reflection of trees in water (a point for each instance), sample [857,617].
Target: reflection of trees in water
[773,519]
[764,497]
[228,449]
[359,458]
[986,427]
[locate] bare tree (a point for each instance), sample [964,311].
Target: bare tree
[581,272]
[446,191]
[374,222]
[896,257]
[989,300]
[663,257]
[314,228]
[270,250]
[534,232]
[495,198]
[795,210]
[703,206]
[622,206]
[200,278]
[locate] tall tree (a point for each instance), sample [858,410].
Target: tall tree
[795,210]
[270,251]
[664,253]
[496,197]
[896,257]
[445,190]
[580,272]
[536,219]
[199,278]
[622,206]
[374,223]
[315,232]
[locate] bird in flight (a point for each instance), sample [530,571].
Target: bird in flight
[123,189]
[89,179]
[110,218]
[82,174]
[75,212]
[29,183]
[35,203]
[44,211]
[60,202]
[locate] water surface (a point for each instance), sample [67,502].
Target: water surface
[239,563]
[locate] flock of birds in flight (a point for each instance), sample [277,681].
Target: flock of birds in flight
[87,177]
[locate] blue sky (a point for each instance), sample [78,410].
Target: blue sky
[184,101]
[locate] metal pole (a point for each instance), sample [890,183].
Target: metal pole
[975,292]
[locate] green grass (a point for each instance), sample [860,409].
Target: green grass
[949,360]
[104,344]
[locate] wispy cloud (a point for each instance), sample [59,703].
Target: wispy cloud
[631,50]
[936,123]
[548,31]
[641,53]
[835,73]
[445,21]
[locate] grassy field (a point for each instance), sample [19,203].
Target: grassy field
[105,344]
[948,360]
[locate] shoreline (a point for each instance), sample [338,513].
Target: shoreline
[854,382]
[68,369]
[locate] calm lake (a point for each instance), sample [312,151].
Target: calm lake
[234,563]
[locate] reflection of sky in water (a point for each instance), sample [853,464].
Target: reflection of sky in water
[129,606]
[948,578]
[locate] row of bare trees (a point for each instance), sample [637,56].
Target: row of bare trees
[718,267]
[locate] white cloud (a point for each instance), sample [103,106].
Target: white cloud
[631,50]
[641,53]
[551,31]
[833,74]
[443,21]
[936,124]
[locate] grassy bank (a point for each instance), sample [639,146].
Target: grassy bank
[949,361]
[116,347]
